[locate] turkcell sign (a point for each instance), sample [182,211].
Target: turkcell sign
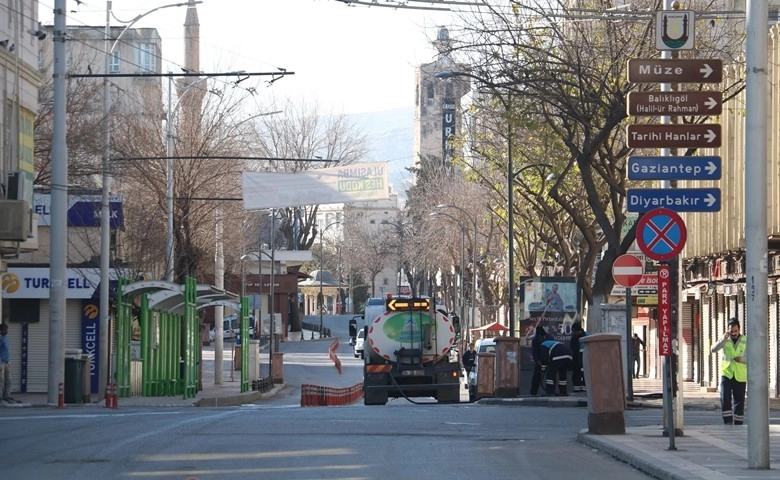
[675,199]
[674,136]
[674,103]
[694,70]
[674,168]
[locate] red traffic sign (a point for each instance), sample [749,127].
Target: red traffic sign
[654,104]
[661,234]
[664,311]
[674,135]
[693,70]
[628,270]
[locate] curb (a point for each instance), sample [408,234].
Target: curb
[632,456]
[536,401]
[236,400]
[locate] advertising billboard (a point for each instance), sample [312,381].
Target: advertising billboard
[552,302]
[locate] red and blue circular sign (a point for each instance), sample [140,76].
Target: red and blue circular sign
[661,234]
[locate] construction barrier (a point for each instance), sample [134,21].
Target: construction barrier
[332,354]
[319,396]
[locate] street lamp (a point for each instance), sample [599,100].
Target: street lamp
[400,228]
[322,298]
[462,265]
[105,213]
[509,185]
[473,315]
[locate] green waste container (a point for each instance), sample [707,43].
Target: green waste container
[74,379]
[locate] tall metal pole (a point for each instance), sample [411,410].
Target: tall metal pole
[59,211]
[472,320]
[219,282]
[321,298]
[462,268]
[271,293]
[756,232]
[169,268]
[105,220]
[510,204]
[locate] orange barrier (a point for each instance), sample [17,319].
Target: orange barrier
[332,354]
[319,396]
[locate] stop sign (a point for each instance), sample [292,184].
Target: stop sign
[628,270]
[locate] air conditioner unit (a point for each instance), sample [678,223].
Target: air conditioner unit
[14,220]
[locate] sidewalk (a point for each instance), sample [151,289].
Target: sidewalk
[227,394]
[711,452]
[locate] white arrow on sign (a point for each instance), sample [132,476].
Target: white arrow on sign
[711,103]
[710,200]
[710,136]
[706,70]
[711,168]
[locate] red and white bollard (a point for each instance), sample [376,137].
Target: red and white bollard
[61,395]
[114,397]
[107,400]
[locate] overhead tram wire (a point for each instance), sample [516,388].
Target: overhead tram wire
[224,157]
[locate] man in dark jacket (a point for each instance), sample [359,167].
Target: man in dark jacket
[557,357]
[536,344]
[469,356]
[576,346]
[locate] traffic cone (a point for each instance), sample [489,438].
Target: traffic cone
[61,396]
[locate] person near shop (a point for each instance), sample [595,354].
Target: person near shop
[577,347]
[5,367]
[540,335]
[733,373]
[637,345]
[557,359]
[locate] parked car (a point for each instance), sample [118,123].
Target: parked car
[231,327]
[359,341]
[483,345]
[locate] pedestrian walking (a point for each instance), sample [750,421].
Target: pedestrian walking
[540,335]
[733,373]
[469,359]
[637,345]
[577,347]
[5,367]
[557,357]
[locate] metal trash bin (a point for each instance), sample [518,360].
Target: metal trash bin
[74,379]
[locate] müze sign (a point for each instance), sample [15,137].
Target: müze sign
[708,70]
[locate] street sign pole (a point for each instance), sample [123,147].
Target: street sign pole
[629,348]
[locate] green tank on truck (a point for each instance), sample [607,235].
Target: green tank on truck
[407,353]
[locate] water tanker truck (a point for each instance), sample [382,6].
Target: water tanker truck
[407,353]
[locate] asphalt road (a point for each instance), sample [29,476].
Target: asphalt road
[276,438]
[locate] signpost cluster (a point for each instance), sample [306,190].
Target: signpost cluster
[660,232]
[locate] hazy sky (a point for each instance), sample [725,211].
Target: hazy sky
[346,58]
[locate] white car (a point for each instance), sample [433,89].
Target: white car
[483,345]
[359,341]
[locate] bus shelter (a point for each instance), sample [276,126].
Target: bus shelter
[170,334]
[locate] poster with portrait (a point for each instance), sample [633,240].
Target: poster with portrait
[552,302]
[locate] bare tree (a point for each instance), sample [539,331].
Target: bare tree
[301,137]
[565,69]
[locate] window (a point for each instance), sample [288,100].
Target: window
[146,60]
[114,62]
